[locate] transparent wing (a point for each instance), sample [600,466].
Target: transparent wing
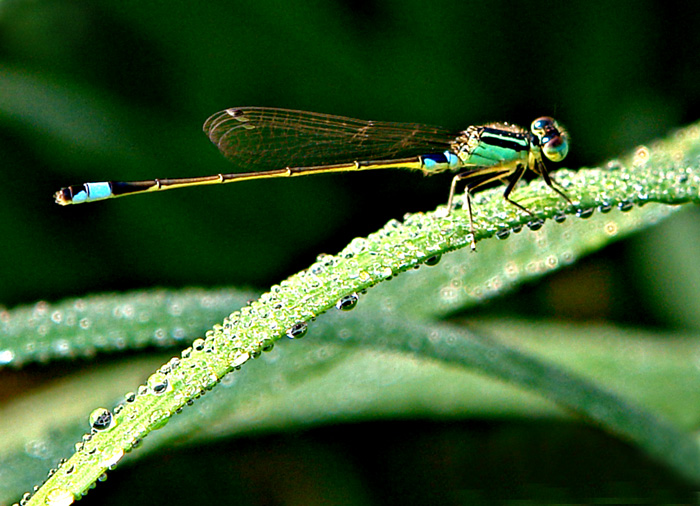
[257,138]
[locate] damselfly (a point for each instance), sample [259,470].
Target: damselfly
[271,143]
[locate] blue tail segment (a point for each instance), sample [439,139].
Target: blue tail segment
[88,192]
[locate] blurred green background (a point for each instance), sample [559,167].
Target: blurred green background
[91,91]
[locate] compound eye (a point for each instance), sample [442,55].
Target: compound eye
[553,138]
[539,126]
[555,148]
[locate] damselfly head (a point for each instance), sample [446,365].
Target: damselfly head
[553,138]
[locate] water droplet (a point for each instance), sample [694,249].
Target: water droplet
[25,499]
[198,344]
[6,356]
[386,273]
[585,213]
[641,156]
[38,448]
[358,245]
[605,208]
[625,206]
[517,229]
[611,228]
[433,260]
[158,418]
[613,165]
[160,335]
[297,330]
[59,497]
[130,397]
[535,224]
[62,347]
[158,383]
[238,357]
[110,456]
[210,345]
[503,233]
[560,218]
[348,302]
[101,419]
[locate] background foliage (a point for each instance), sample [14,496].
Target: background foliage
[118,90]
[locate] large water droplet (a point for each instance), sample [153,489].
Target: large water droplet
[625,206]
[535,224]
[348,302]
[110,456]
[433,260]
[158,383]
[38,448]
[503,233]
[101,419]
[59,497]
[297,330]
[585,213]
[238,358]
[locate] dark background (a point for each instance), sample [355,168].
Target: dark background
[91,91]
[119,89]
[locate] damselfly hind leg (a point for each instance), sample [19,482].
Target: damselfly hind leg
[453,187]
[476,178]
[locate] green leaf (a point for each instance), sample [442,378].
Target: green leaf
[666,172]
